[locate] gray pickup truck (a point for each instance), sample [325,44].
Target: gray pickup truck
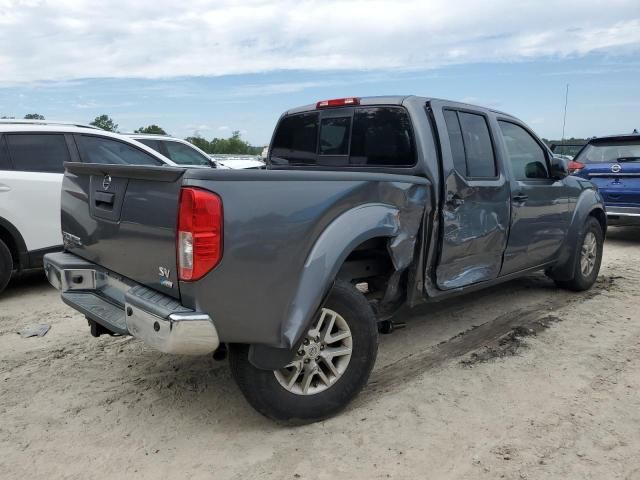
[368,204]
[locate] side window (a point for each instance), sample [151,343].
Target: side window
[38,152]
[107,151]
[296,140]
[527,157]
[185,155]
[477,144]
[471,146]
[456,142]
[151,144]
[334,136]
[4,156]
[382,136]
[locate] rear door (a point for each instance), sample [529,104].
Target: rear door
[475,207]
[30,186]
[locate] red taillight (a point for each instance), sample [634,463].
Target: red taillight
[338,102]
[199,238]
[575,167]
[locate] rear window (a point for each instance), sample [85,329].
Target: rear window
[296,140]
[364,136]
[107,151]
[44,153]
[613,151]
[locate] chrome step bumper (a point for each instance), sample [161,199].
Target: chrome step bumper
[125,307]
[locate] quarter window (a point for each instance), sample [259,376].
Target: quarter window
[471,146]
[456,142]
[38,152]
[528,160]
[107,151]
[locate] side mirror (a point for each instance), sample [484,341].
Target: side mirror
[559,168]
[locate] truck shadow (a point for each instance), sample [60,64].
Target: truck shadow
[32,282]
[430,338]
[623,235]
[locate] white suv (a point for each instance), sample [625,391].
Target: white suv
[32,154]
[179,151]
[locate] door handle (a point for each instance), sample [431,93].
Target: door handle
[104,199]
[521,197]
[4,188]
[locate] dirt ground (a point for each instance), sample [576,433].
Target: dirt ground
[521,381]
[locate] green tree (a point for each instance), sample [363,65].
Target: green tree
[151,129]
[105,123]
[33,116]
[232,145]
[201,143]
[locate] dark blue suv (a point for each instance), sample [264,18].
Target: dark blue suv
[613,164]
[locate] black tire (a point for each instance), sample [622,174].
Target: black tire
[6,265]
[581,282]
[268,396]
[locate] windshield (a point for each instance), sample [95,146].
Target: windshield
[611,152]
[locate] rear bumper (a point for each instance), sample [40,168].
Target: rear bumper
[623,215]
[128,308]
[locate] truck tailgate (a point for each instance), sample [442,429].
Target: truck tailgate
[123,218]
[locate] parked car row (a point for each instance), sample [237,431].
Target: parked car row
[32,154]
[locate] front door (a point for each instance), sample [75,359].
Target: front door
[475,211]
[539,204]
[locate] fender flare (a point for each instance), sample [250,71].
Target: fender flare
[589,202]
[19,242]
[332,248]
[321,267]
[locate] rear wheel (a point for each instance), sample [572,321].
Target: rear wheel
[587,265]
[6,265]
[329,369]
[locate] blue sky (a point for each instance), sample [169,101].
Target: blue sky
[216,66]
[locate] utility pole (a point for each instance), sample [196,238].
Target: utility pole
[564,119]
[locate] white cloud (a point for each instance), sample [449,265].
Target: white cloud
[71,39]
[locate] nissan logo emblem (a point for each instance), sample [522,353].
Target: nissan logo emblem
[615,168]
[106,182]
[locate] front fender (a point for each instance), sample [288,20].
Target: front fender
[588,202]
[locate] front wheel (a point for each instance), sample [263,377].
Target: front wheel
[329,369]
[587,265]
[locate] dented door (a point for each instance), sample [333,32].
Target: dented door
[476,205]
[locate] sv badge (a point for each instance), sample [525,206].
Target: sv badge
[165,273]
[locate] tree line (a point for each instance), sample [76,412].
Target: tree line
[232,145]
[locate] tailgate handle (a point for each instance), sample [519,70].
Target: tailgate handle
[104,199]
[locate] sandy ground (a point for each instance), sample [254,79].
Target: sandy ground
[564,405]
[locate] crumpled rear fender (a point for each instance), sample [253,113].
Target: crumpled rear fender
[400,223]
